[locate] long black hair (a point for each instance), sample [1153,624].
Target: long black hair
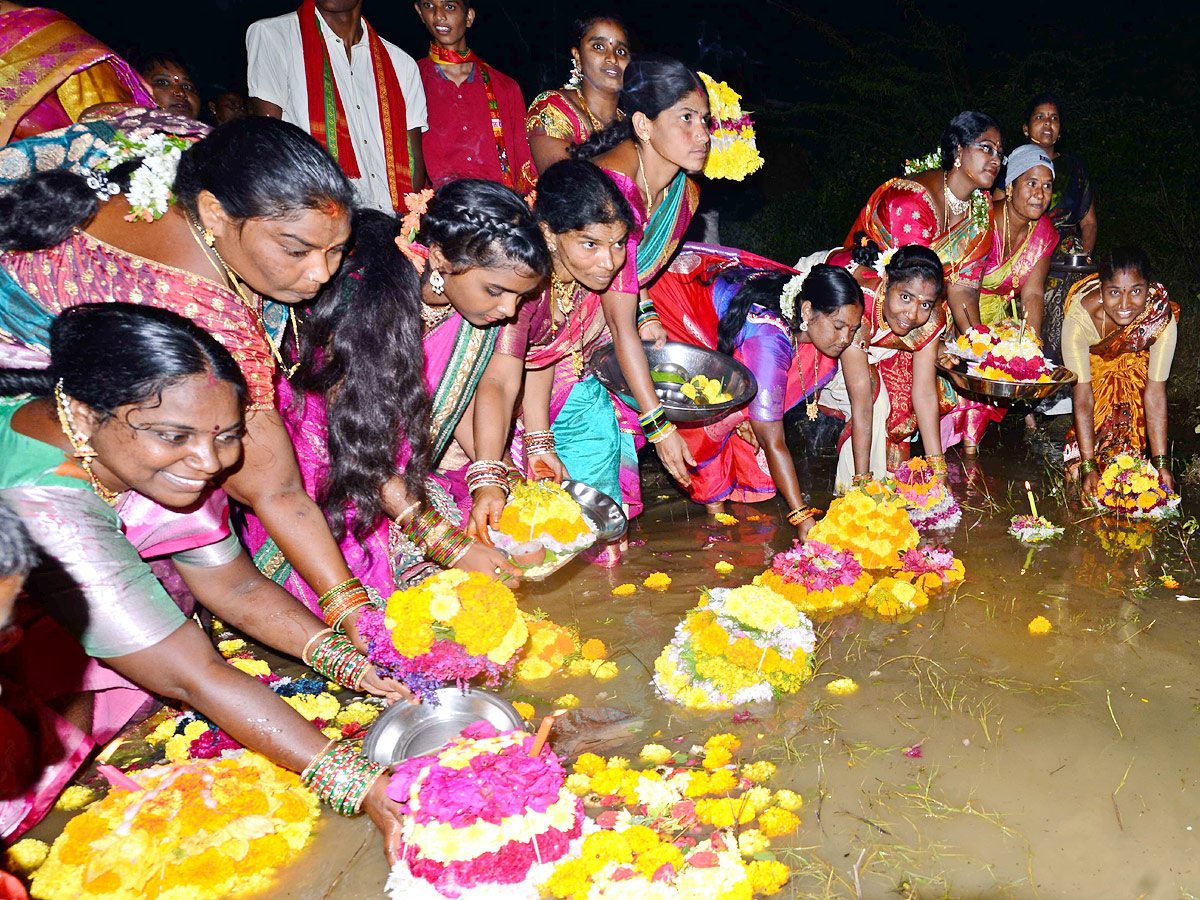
[573,194]
[257,167]
[652,83]
[828,288]
[361,348]
[483,223]
[1125,258]
[967,126]
[111,355]
[261,168]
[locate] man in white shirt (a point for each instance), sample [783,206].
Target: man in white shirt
[287,56]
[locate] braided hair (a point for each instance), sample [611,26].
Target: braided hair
[485,224]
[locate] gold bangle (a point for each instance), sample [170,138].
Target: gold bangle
[304,657]
[802,514]
[1088,465]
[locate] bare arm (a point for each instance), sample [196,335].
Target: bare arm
[1084,408]
[620,312]
[925,397]
[770,437]
[1155,397]
[547,150]
[1033,295]
[494,401]
[857,373]
[265,108]
[964,305]
[416,160]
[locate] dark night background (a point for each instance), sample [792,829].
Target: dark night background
[842,93]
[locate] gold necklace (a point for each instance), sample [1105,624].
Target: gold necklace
[953,204]
[645,181]
[83,452]
[810,403]
[247,297]
[432,316]
[564,294]
[597,125]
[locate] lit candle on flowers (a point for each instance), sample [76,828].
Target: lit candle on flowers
[543,732]
[1029,494]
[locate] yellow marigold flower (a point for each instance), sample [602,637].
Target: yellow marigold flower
[75,797]
[1169,582]
[231,646]
[361,712]
[654,754]
[760,607]
[788,799]
[589,764]
[658,856]
[730,742]
[524,710]
[164,730]
[760,771]
[842,686]
[26,855]
[767,876]
[194,729]
[617,762]
[1040,625]
[752,841]
[606,847]
[579,666]
[444,607]
[776,822]
[657,581]
[624,590]
[314,706]
[722,781]
[640,838]
[567,701]
[603,670]
[697,785]
[593,649]
[726,519]
[717,757]
[251,666]
[757,799]
[177,747]
[579,784]
[332,731]
[723,567]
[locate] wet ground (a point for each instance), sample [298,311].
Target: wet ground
[1054,766]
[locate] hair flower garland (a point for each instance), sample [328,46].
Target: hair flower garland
[204,830]
[417,205]
[924,163]
[882,261]
[452,627]
[787,297]
[745,645]
[149,192]
[732,151]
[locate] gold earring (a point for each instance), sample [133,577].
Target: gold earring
[209,237]
[958,163]
[82,450]
[436,282]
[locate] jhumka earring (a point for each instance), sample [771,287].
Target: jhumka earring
[437,282]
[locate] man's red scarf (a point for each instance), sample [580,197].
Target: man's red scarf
[445,57]
[327,116]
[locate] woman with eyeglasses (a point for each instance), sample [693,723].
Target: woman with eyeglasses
[943,202]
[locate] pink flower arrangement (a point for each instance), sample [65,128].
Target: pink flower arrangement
[930,504]
[817,566]
[930,568]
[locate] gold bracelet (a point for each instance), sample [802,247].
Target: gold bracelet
[304,657]
[1088,465]
[801,514]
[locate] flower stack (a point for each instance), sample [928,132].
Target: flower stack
[207,829]
[1033,529]
[482,818]
[1006,350]
[452,627]
[891,598]
[732,151]
[817,578]
[1131,487]
[554,648]
[740,645]
[871,521]
[540,517]
[931,505]
[668,831]
[930,568]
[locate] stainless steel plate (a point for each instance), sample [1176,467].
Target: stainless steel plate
[679,358]
[403,730]
[604,513]
[1007,390]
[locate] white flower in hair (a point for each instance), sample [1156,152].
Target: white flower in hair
[884,258]
[787,297]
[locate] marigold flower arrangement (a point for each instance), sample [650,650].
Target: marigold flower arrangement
[452,627]
[667,831]
[555,648]
[891,597]
[931,505]
[732,152]
[206,829]
[1131,486]
[745,645]
[544,512]
[1033,529]
[930,568]
[817,578]
[482,817]
[872,521]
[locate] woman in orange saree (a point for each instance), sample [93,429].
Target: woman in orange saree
[51,71]
[1119,335]
[943,203]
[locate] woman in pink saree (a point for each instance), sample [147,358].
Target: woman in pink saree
[55,71]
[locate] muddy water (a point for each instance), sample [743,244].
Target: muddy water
[1057,766]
